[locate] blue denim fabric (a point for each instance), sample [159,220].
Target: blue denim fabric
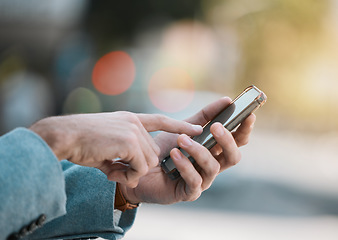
[90,208]
[33,182]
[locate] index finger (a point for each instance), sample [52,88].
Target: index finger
[158,122]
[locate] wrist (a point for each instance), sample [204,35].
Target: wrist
[52,132]
[129,194]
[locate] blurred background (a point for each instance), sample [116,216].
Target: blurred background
[174,57]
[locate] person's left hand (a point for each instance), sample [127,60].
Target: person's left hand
[156,187]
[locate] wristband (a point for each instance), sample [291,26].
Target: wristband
[120,202]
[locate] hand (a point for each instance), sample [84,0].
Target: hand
[156,187]
[116,143]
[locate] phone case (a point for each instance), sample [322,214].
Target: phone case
[239,109]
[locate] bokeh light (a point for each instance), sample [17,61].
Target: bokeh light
[187,55]
[26,98]
[114,73]
[171,89]
[82,100]
[191,45]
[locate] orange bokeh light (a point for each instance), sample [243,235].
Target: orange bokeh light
[113,73]
[171,89]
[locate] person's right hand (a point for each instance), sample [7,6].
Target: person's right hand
[117,143]
[157,187]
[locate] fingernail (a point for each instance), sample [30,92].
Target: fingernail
[176,155]
[197,127]
[219,131]
[186,141]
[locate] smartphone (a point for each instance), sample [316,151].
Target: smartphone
[238,110]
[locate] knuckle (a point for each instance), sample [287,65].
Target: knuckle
[207,186]
[243,141]
[194,197]
[196,185]
[122,113]
[131,139]
[132,184]
[130,177]
[185,168]
[131,117]
[134,129]
[134,119]
[143,169]
[202,156]
[154,162]
[237,157]
[207,167]
[215,169]
[161,119]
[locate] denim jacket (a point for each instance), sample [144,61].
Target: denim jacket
[42,198]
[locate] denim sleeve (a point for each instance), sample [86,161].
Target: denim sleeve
[90,208]
[31,181]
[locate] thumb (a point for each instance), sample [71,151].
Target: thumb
[209,112]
